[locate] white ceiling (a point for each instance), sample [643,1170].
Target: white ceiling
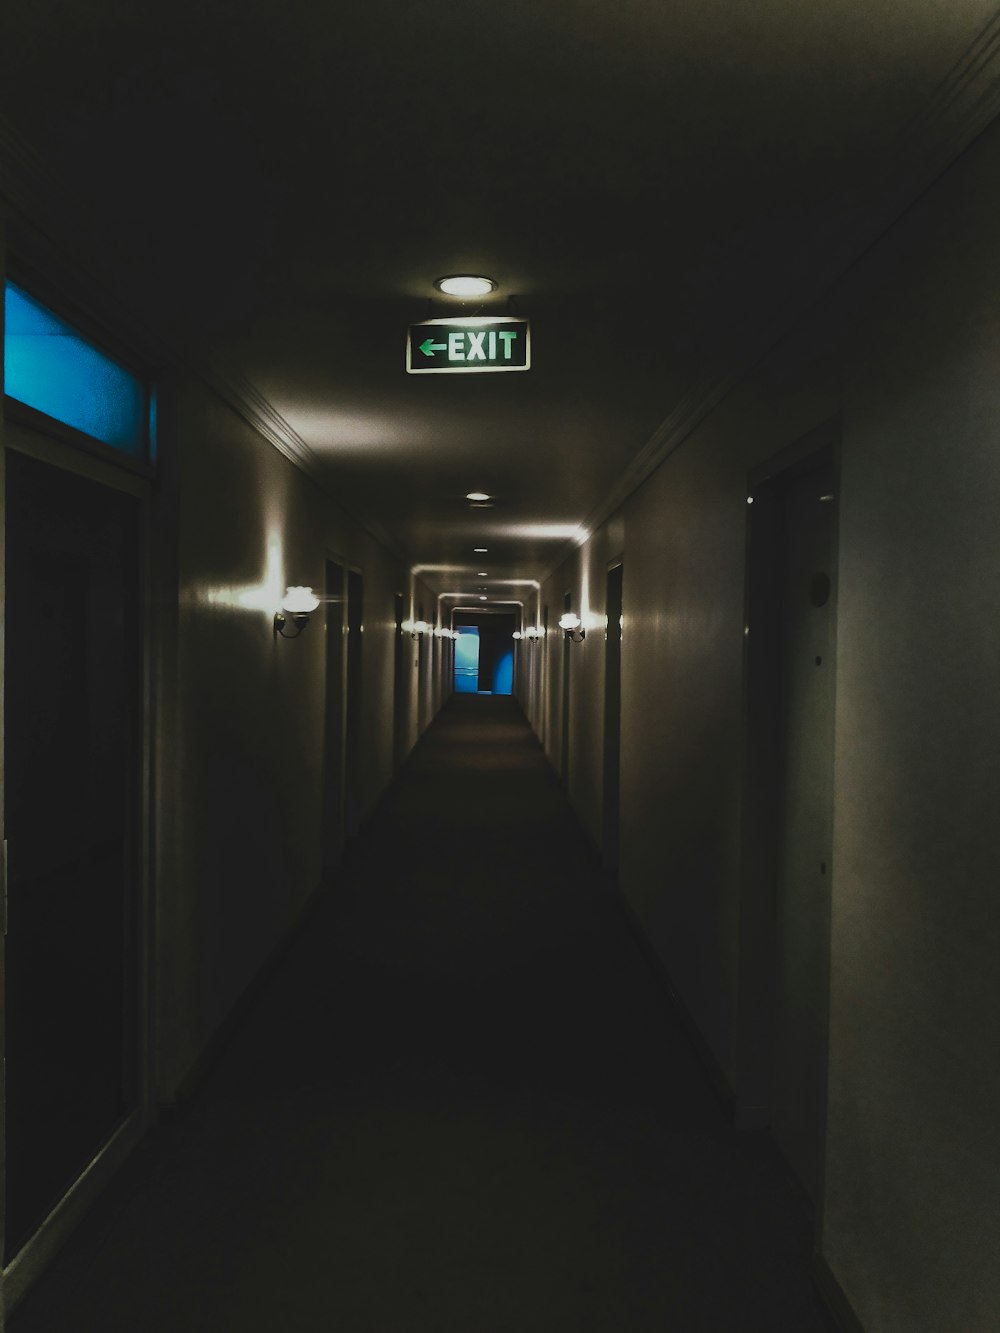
[282,182]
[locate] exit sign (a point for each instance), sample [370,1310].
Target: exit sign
[467,346]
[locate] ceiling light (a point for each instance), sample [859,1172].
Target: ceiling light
[480,550]
[482,599]
[478,495]
[464,284]
[482,574]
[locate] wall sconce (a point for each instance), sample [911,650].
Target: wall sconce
[572,624]
[297,606]
[517,634]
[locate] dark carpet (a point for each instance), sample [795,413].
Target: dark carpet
[461,1104]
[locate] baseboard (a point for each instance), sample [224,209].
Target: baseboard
[713,1071]
[189,1086]
[833,1297]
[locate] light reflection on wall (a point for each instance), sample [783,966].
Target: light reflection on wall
[353,433]
[583,610]
[263,596]
[556,531]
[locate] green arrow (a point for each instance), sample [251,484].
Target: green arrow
[429,348]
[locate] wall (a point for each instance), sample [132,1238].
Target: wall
[913,1157]
[905,352]
[242,755]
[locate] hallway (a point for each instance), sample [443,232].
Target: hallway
[460,1104]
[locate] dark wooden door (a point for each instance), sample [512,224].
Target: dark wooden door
[71,753]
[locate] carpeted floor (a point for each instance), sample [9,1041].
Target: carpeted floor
[461,1105]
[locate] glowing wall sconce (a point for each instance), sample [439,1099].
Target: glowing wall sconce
[418,628]
[297,606]
[517,634]
[573,627]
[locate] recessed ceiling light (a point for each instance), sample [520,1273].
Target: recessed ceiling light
[482,599]
[479,550]
[482,574]
[478,495]
[465,284]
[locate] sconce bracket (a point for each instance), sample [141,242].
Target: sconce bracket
[576,635]
[300,619]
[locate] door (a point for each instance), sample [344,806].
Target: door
[496,653]
[399,680]
[333,766]
[805,734]
[352,738]
[72,664]
[467,660]
[612,718]
[564,701]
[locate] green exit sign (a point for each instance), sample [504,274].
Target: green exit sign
[467,346]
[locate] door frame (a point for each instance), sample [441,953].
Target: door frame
[757,997]
[20,433]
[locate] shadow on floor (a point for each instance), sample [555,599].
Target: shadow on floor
[460,1105]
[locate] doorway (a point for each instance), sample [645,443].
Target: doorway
[72,746]
[484,652]
[791,693]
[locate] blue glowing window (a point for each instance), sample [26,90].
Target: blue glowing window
[50,367]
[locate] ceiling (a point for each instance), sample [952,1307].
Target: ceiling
[280,184]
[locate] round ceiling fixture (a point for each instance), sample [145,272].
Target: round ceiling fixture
[479,550]
[478,497]
[465,284]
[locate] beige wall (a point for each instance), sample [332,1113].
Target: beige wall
[241,754]
[913,1157]
[907,349]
